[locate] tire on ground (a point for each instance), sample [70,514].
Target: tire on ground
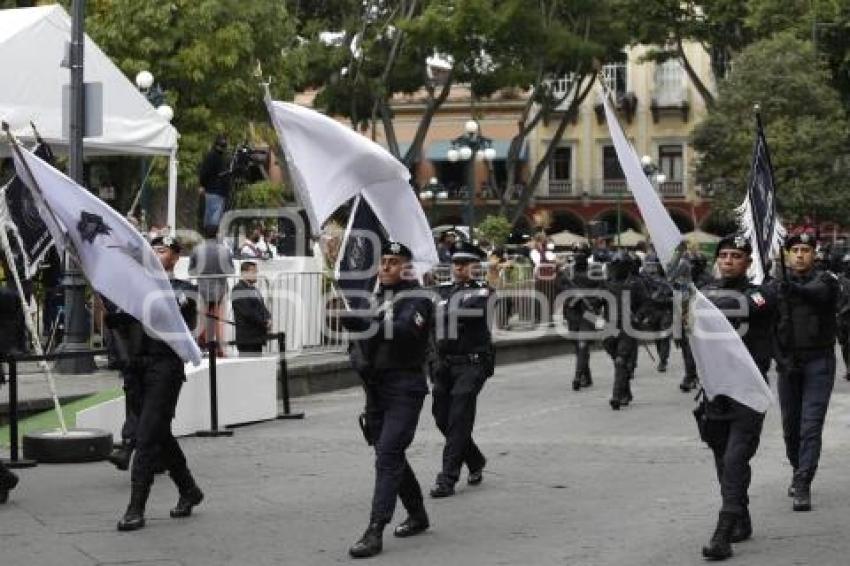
[79,445]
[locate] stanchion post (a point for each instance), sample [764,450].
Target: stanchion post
[212,347]
[14,460]
[284,379]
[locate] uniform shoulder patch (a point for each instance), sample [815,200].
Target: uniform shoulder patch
[418,319]
[758,299]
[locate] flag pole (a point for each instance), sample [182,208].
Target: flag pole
[36,343]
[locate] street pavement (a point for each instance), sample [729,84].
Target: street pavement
[568,481]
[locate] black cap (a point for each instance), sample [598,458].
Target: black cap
[465,252]
[734,241]
[805,237]
[168,242]
[396,248]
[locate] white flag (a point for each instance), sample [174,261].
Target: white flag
[330,164]
[116,259]
[724,364]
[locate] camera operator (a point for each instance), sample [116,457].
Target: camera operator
[215,179]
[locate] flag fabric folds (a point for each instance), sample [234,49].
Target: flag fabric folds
[724,364]
[114,256]
[20,216]
[359,257]
[757,215]
[330,164]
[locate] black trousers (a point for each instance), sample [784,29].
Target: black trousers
[804,393]
[456,389]
[159,386]
[392,413]
[249,350]
[132,400]
[734,437]
[688,358]
[575,323]
[844,342]
[662,345]
[623,351]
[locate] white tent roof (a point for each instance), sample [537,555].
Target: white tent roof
[32,46]
[567,238]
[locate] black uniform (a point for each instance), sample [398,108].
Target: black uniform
[580,313]
[806,361]
[659,308]
[629,292]
[11,333]
[465,354]
[391,365]
[157,375]
[251,317]
[692,270]
[732,429]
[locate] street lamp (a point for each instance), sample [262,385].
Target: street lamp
[464,148]
[653,172]
[432,191]
[156,96]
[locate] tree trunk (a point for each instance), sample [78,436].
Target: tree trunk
[543,165]
[703,90]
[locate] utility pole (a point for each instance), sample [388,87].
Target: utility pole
[76,335]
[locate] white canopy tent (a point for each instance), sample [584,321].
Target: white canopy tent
[32,48]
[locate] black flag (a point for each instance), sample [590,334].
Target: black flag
[360,254]
[759,216]
[30,237]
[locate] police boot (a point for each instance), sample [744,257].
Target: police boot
[802,497]
[627,393]
[370,544]
[134,517]
[720,548]
[586,380]
[577,382]
[8,481]
[190,494]
[662,366]
[743,527]
[120,457]
[689,382]
[416,522]
[442,489]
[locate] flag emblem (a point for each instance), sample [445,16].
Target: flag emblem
[92,225]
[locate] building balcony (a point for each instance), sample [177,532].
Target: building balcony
[672,189]
[562,188]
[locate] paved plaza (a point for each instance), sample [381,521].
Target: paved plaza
[568,482]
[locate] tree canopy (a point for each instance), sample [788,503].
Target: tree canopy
[804,122]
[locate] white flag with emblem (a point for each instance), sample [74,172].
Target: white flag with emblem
[724,364]
[115,258]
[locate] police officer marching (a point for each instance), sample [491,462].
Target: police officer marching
[160,374]
[465,354]
[580,312]
[731,429]
[806,361]
[389,353]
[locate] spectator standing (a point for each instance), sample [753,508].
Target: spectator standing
[253,319]
[211,262]
[214,176]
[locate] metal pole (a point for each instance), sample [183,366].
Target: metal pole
[284,379]
[619,217]
[76,330]
[470,180]
[212,347]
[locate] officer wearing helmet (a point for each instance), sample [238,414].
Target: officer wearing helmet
[580,312]
[629,292]
[733,430]
[659,307]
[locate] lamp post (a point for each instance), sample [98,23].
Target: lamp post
[653,172]
[432,191]
[156,96]
[77,331]
[464,148]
